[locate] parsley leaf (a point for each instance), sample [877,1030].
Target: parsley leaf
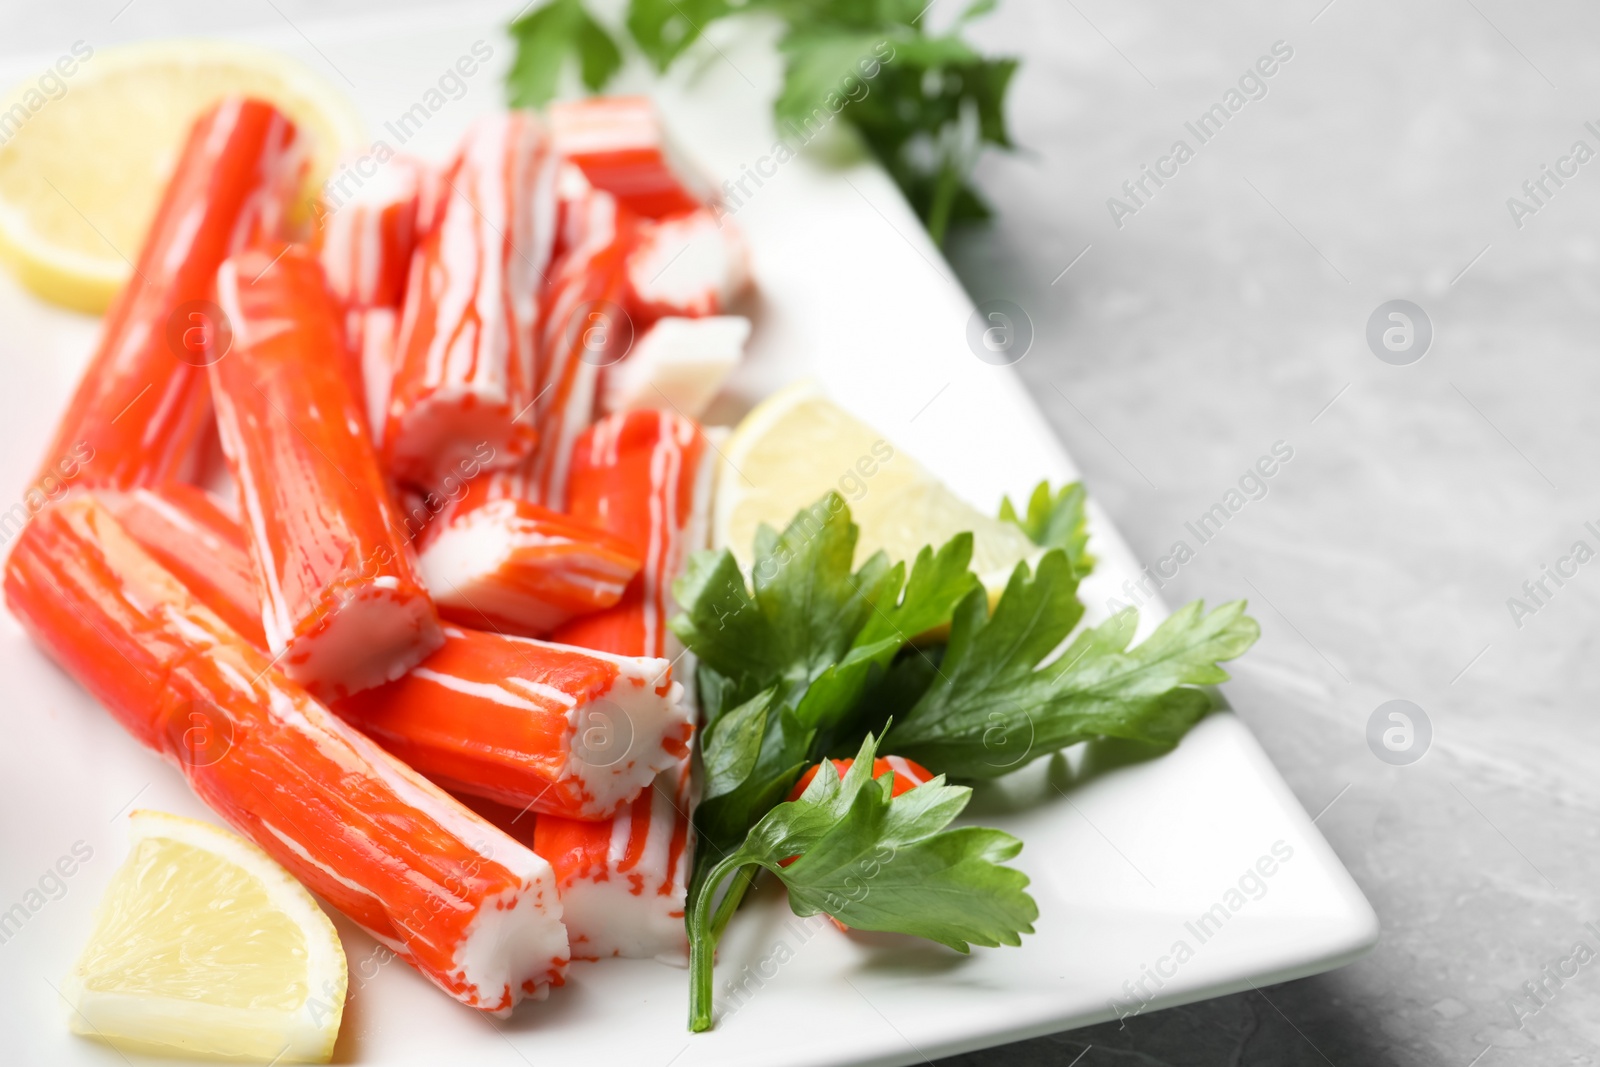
[811,657]
[875,862]
[664,28]
[1056,519]
[545,37]
[785,664]
[805,610]
[994,707]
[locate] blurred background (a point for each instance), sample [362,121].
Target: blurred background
[1179,337]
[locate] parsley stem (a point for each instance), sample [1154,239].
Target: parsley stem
[944,195]
[703,934]
[742,881]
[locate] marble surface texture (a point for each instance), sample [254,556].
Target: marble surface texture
[1229,312]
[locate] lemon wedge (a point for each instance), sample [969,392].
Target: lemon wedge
[205,946]
[797,445]
[81,172]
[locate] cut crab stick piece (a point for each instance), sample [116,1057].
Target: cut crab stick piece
[141,406]
[536,726]
[622,147]
[646,476]
[466,360]
[517,567]
[187,531]
[542,727]
[341,601]
[370,335]
[690,265]
[365,242]
[583,327]
[678,364]
[623,882]
[472,910]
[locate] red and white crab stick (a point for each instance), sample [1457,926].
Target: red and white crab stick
[509,565]
[646,476]
[365,243]
[622,147]
[496,556]
[691,265]
[540,727]
[475,912]
[679,363]
[466,357]
[583,327]
[370,337]
[340,597]
[141,403]
[185,529]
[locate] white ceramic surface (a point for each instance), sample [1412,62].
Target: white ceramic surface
[1124,858]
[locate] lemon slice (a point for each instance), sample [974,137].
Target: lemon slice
[81,173]
[797,444]
[205,946]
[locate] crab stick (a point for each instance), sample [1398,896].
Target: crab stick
[679,364]
[341,601]
[621,146]
[517,567]
[466,355]
[186,530]
[540,727]
[140,406]
[646,476]
[365,242]
[370,335]
[537,726]
[690,264]
[474,912]
[623,882]
[583,327]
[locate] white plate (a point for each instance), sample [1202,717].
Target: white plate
[1123,860]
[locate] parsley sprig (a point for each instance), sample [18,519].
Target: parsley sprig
[926,103]
[815,657]
[784,664]
[1056,518]
[848,848]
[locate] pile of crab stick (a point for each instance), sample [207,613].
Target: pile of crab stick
[414,641]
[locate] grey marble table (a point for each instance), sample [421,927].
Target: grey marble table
[1229,311]
[1181,335]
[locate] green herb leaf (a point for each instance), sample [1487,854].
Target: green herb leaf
[752,758]
[993,707]
[664,28]
[546,37]
[787,663]
[823,73]
[876,862]
[1056,519]
[812,630]
[806,609]
[938,582]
